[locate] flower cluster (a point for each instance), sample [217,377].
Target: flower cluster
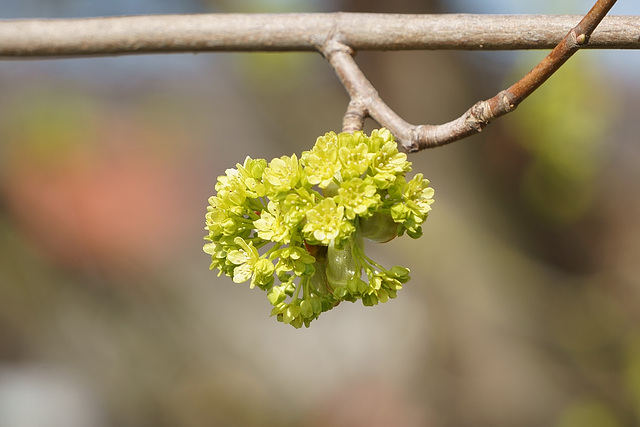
[303,221]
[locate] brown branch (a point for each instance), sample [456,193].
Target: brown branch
[365,101]
[300,32]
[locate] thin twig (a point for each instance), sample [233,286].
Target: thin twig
[300,32]
[365,101]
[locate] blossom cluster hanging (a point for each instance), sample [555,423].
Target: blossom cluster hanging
[302,222]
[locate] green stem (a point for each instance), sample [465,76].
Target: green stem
[369,260]
[306,292]
[296,293]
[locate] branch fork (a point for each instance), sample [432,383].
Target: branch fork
[365,101]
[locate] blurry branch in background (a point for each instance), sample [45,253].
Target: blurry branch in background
[365,101]
[338,36]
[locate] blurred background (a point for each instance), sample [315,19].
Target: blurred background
[524,303]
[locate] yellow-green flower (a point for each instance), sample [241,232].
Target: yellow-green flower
[296,204]
[251,174]
[354,161]
[321,164]
[326,223]
[359,197]
[272,226]
[250,265]
[418,191]
[412,210]
[387,164]
[295,260]
[231,190]
[282,174]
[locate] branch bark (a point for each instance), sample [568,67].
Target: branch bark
[300,32]
[365,101]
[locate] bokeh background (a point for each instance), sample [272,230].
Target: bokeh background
[524,303]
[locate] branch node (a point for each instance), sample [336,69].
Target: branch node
[421,137]
[332,46]
[479,116]
[576,38]
[508,103]
[581,39]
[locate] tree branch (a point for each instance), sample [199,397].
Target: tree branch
[300,32]
[337,36]
[365,101]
